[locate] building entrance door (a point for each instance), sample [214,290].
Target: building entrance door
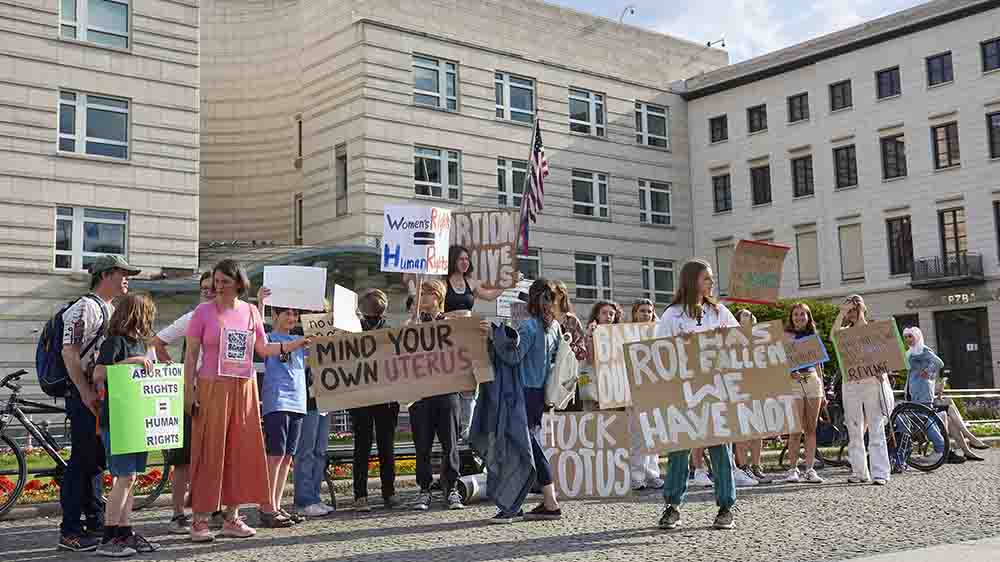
[964,344]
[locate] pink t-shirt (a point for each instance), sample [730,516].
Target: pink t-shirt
[243,327]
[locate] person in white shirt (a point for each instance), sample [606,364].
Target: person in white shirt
[694,310]
[180,459]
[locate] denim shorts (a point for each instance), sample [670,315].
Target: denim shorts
[126,464]
[281,433]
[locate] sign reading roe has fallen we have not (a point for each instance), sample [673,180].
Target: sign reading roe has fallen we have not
[722,386]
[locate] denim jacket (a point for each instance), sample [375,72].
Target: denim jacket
[499,431]
[537,349]
[919,388]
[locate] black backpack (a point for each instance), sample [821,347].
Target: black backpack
[53,377]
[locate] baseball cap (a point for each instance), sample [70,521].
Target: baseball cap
[108,262]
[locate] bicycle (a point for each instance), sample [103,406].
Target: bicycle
[831,434]
[18,409]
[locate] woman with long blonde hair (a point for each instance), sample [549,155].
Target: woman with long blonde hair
[694,310]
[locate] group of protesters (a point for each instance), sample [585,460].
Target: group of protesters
[242,438]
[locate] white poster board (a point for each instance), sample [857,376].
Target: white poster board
[295,286]
[345,306]
[415,239]
[509,296]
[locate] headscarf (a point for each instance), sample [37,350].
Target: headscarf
[918,341]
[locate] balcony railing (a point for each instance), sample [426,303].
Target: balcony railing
[937,272]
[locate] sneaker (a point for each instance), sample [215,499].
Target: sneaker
[138,543]
[273,520]
[637,486]
[391,502]
[361,504]
[200,532]
[880,481]
[314,510]
[671,518]
[423,502]
[179,525]
[116,548]
[78,543]
[955,458]
[931,458]
[502,518]
[542,513]
[793,476]
[812,477]
[656,483]
[238,529]
[854,479]
[701,478]
[758,473]
[295,518]
[742,478]
[455,500]
[725,519]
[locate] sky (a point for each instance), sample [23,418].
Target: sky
[750,27]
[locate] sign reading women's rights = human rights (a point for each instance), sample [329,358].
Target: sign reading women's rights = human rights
[403,365]
[146,408]
[726,385]
[415,239]
[589,453]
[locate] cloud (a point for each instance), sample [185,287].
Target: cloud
[755,27]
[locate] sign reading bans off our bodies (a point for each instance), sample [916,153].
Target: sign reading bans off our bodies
[712,388]
[609,360]
[589,453]
[869,350]
[146,408]
[398,364]
[491,238]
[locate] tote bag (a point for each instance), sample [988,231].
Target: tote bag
[561,385]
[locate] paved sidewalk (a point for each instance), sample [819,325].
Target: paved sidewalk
[777,523]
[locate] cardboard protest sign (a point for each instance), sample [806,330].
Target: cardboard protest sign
[415,239]
[295,287]
[146,410]
[398,364]
[491,238]
[715,387]
[755,272]
[869,350]
[806,352]
[589,453]
[609,361]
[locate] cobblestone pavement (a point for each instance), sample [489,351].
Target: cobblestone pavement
[778,522]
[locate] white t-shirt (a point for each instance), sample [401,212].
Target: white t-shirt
[675,321]
[82,323]
[176,331]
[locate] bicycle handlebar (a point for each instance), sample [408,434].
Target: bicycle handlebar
[7,381]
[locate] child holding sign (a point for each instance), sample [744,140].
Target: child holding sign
[695,310]
[283,401]
[130,326]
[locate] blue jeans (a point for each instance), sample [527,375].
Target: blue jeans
[932,431]
[310,459]
[675,488]
[80,493]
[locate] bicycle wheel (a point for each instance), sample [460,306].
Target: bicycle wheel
[149,486]
[10,490]
[913,426]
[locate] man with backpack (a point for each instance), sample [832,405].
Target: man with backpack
[84,323]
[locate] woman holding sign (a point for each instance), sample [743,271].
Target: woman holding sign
[865,405]
[694,310]
[228,466]
[800,324]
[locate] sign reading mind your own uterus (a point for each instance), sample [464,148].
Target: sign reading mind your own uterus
[716,387]
[415,239]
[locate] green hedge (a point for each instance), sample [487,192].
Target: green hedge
[823,313]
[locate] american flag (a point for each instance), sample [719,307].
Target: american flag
[534,189]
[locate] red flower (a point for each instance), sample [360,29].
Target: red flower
[107,480]
[6,486]
[33,485]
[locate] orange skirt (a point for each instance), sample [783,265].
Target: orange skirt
[228,467]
